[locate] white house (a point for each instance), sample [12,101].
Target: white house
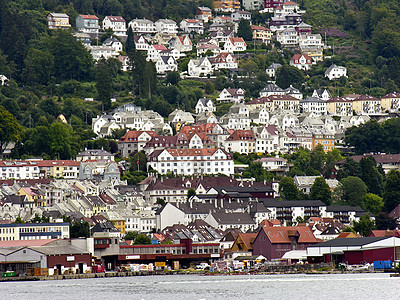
[166,64]
[335,72]
[205,105]
[115,44]
[224,60]
[203,48]
[271,70]
[142,26]
[141,43]
[200,67]
[3,79]
[231,95]
[287,37]
[191,161]
[241,14]
[154,52]
[302,62]
[192,25]
[166,26]
[180,116]
[203,13]
[235,44]
[99,52]
[314,105]
[116,23]
[181,43]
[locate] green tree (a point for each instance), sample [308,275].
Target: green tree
[364,225]
[137,162]
[353,190]
[371,176]
[256,171]
[288,189]
[349,168]
[191,192]
[103,83]
[10,130]
[288,75]
[373,203]
[131,235]
[34,72]
[19,220]
[80,229]
[320,191]
[385,222]
[209,88]
[40,219]
[244,30]
[318,158]
[130,46]
[391,194]
[142,239]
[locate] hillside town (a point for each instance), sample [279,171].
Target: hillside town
[233,182]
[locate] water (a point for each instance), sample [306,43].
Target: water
[196,287]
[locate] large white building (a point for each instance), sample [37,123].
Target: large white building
[191,161]
[116,23]
[34,231]
[142,26]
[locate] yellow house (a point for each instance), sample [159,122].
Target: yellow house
[261,33]
[117,220]
[339,106]
[315,53]
[326,139]
[67,169]
[226,5]
[390,102]
[34,195]
[58,21]
[366,104]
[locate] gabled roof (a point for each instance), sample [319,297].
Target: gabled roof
[239,135]
[391,95]
[297,57]
[132,135]
[115,18]
[279,235]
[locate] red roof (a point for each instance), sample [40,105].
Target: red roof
[282,97]
[254,27]
[133,135]
[26,243]
[221,58]
[298,56]
[289,3]
[391,95]
[115,18]
[235,40]
[366,98]
[284,234]
[270,223]
[92,17]
[239,135]
[159,47]
[192,21]
[261,100]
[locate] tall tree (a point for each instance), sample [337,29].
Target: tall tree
[385,222]
[373,203]
[103,83]
[288,189]
[130,46]
[364,225]
[244,30]
[10,130]
[391,195]
[354,190]
[320,191]
[371,176]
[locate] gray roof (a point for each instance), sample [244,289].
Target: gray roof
[94,152]
[338,208]
[233,218]
[271,87]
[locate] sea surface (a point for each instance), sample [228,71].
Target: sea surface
[196,287]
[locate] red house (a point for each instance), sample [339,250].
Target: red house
[274,242]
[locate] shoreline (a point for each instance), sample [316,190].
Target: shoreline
[178,272]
